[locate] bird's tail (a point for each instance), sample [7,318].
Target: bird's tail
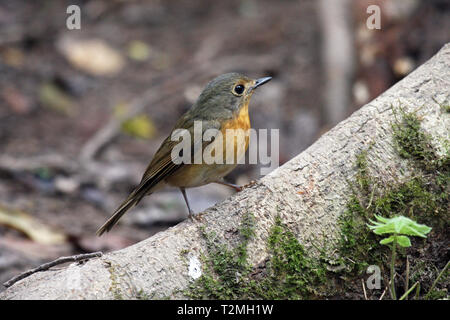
[149,182]
[130,202]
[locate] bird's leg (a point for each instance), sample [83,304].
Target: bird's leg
[231,185]
[183,191]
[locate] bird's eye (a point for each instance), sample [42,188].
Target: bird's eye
[239,89]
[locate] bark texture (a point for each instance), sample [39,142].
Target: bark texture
[309,193]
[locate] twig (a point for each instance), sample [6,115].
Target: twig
[364,289]
[385,289]
[405,295]
[407,276]
[384,292]
[48,265]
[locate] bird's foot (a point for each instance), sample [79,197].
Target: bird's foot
[251,183]
[231,185]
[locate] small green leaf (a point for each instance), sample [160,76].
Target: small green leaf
[387,240]
[403,241]
[398,225]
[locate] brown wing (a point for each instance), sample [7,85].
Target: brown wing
[159,169]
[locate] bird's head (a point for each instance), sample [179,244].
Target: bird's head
[230,91]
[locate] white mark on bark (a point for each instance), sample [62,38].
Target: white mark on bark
[195,268]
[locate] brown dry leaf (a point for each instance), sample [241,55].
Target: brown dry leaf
[30,226]
[93,56]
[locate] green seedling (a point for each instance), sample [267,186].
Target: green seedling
[400,228]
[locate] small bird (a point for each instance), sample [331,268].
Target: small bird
[222,105]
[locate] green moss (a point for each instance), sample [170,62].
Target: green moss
[362,175]
[358,247]
[288,274]
[142,295]
[419,198]
[292,274]
[413,143]
[445,107]
[226,269]
[114,287]
[184,252]
[424,197]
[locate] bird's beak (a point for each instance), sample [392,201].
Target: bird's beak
[260,82]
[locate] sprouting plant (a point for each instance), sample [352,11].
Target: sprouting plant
[400,228]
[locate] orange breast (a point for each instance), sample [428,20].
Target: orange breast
[241,124]
[240,121]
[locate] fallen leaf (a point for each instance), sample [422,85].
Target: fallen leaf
[138,50]
[30,226]
[93,56]
[140,126]
[50,96]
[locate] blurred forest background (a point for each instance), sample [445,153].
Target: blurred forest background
[83,111]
